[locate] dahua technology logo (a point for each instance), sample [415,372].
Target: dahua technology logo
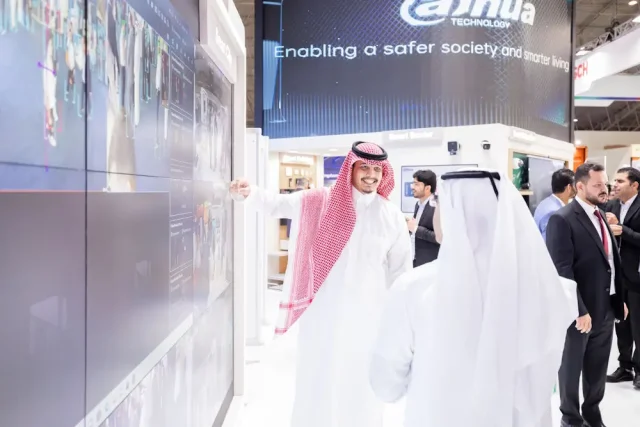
[467,13]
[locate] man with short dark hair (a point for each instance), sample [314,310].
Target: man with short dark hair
[584,250]
[425,246]
[562,189]
[624,220]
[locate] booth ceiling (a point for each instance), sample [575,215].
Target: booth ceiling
[595,17]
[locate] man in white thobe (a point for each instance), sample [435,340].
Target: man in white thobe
[476,337]
[347,246]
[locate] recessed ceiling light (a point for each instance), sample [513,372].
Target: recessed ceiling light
[636,19]
[578,142]
[575,120]
[633,2]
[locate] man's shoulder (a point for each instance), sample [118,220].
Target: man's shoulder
[565,211]
[543,206]
[416,280]
[389,207]
[413,286]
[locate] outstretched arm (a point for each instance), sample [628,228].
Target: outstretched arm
[272,204]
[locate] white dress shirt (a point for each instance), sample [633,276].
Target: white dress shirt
[624,208]
[591,213]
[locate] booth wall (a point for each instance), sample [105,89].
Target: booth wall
[597,139]
[597,144]
[612,159]
[435,153]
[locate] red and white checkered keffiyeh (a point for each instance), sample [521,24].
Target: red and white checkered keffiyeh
[327,220]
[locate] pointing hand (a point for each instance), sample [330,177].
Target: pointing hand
[240,186]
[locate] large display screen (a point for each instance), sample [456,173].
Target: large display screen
[342,67]
[116,225]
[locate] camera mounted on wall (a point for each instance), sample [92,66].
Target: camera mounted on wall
[486,145]
[453,147]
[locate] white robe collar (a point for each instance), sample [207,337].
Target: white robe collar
[360,199]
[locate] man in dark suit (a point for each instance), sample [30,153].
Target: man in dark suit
[624,217]
[584,249]
[423,237]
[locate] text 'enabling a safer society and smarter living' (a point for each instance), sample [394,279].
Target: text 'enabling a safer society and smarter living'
[415,48]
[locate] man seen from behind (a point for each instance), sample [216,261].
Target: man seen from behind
[562,190]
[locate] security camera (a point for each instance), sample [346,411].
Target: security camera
[486,145]
[453,147]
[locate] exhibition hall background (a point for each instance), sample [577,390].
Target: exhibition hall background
[116,304]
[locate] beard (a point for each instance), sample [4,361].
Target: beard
[596,199]
[367,190]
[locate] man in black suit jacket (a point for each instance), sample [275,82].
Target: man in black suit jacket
[423,237]
[583,249]
[624,217]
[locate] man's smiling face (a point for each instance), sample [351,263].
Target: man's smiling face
[366,177]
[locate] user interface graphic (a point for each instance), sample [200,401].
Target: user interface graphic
[335,67]
[116,302]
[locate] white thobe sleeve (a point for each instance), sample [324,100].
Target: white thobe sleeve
[273,204]
[390,370]
[399,258]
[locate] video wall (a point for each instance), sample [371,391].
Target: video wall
[116,304]
[343,67]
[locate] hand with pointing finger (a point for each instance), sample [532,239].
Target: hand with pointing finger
[240,187]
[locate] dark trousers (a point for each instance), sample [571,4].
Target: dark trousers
[586,354]
[628,332]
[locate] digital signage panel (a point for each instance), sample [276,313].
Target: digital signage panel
[336,67]
[117,302]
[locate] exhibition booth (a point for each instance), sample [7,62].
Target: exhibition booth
[493,92]
[123,295]
[444,149]
[438,90]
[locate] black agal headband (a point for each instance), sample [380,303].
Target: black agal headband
[368,156]
[475,174]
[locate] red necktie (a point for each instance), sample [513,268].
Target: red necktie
[605,241]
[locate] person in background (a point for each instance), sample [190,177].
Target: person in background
[347,246]
[611,197]
[562,190]
[492,303]
[425,246]
[626,207]
[584,249]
